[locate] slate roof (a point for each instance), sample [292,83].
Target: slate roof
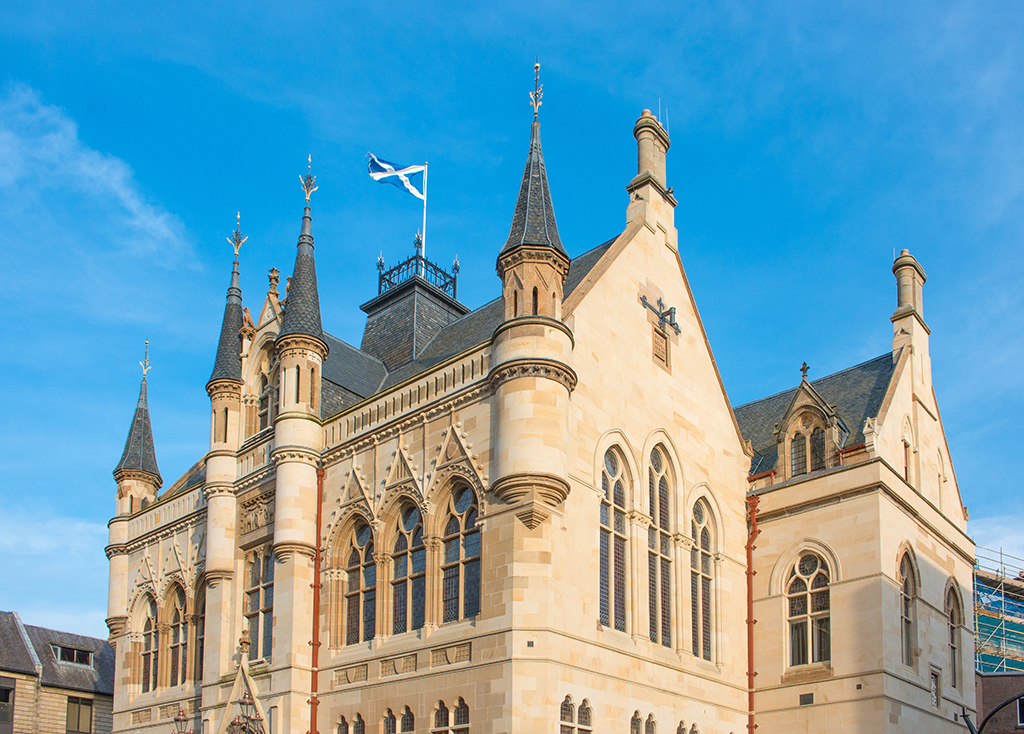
[533,221]
[139,453]
[302,311]
[228,365]
[357,372]
[856,393]
[17,656]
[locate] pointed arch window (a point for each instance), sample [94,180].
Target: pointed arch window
[701,574]
[954,619]
[359,726]
[798,454]
[177,647]
[408,722]
[150,649]
[650,726]
[809,604]
[343,726]
[636,724]
[461,567]
[441,718]
[659,551]
[908,592]
[409,574]
[265,401]
[461,718]
[567,717]
[361,594]
[199,648]
[817,449]
[613,543]
[259,601]
[390,723]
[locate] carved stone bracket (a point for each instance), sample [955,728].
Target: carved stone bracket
[282,550]
[532,495]
[297,454]
[548,368]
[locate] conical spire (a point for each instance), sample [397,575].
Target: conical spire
[139,454]
[228,365]
[302,309]
[533,222]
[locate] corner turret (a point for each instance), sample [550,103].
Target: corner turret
[137,475]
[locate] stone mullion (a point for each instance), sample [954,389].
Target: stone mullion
[434,582]
[681,546]
[638,578]
[716,611]
[163,671]
[385,613]
[190,649]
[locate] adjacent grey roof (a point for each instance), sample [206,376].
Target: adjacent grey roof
[856,393]
[228,365]
[139,454]
[533,222]
[352,368]
[302,310]
[16,656]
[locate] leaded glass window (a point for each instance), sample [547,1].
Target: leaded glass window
[343,726]
[409,574]
[177,645]
[953,617]
[408,721]
[390,724]
[701,574]
[817,449]
[809,605]
[361,592]
[584,718]
[461,718]
[613,542]
[259,602]
[200,634]
[798,454]
[659,551]
[650,726]
[907,593]
[441,716]
[636,724]
[567,717]
[150,649]
[359,726]
[460,586]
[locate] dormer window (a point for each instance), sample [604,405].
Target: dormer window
[800,460]
[71,654]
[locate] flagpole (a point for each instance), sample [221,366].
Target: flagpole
[425,166]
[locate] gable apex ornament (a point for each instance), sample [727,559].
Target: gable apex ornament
[804,369]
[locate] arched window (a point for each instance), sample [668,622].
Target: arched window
[659,551]
[817,449]
[681,729]
[908,590]
[650,726]
[409,584]
[177,646]
[807,592]
[461,569]
[700,580]
[265,401]
[343,726]
[798,454]
[259,601]
[408,720]
[361,595]
[199,649]
[535,300]
[636,724]
[584,718]
[461,718]
[359,726]
[694,729]
[515,303]
[441,716]
[567,716]
[954,618]
[150,649]
[613,543]
[312,388]
[390,724]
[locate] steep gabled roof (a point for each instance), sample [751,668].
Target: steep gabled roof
[14,653]
[139,453]
[95,678]
[533,221]
[857,393]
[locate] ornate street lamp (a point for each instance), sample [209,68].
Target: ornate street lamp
[249,720]
[181,722]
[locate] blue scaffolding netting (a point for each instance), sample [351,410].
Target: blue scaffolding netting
[998,612]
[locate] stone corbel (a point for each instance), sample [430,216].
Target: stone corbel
[532,496]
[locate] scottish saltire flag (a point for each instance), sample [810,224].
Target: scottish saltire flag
[407,178]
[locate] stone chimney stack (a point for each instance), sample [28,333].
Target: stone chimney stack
[909,329]
[652,146]
[910,280]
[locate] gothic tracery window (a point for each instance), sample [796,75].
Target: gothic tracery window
[361,594]
[809,605]
[798,454]
[701,574]
[408,721]
[409,575]
[447,722]
[177,646]
[613,543]
[461,566]
[954,620]
[390,724]
[567,716]
[659,552]
[907,594]
[259,602]
[150,649]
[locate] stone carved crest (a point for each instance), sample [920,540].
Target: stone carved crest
[257,513]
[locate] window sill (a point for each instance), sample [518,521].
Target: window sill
[808,673]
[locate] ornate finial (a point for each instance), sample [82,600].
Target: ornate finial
[803,369]
[455,266]
[309,180]
[145,363]
[236,239]
[380,263]
[418,244]
[275,278]
[538,90]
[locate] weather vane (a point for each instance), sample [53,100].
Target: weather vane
[309,180]
[236,239]
[145,363]
[538,90]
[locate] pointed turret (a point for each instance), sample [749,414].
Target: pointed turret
[302,311]
[139,454]
[228,365]
[533,222]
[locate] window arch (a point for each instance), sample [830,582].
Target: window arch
[567,716]
[390,724]
[408,722]
[659,550]
[461,567]
[199,648]
[343,726]
[954,620]
[908,593]
[259,601]
[650,726]
[681,729]
[150,648]
[809,604]
[359,726]
[636,724]
[409,575]
[584,718]
[461,718]
[361,594]
[817,449]
[613,542]
[443,719]
[535,300]
[177,645]
[701,575]
[798,454]
[265,410]
[441,716]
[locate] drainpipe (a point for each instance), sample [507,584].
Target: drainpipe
[316,586]
[752,501]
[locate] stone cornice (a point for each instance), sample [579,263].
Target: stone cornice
[142,476]
[218,489]
[547,368]
[116,549]
[215,453]
[534,254]
[289,343]
[224,388]
[534,320]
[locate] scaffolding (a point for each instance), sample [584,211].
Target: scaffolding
[998,612]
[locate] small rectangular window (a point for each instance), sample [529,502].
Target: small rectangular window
[6,705]
[79,715]
[935,689]
[806,699]
[1020,712]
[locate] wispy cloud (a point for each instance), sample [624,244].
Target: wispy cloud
[1000,533]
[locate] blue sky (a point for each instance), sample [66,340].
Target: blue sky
[810,141]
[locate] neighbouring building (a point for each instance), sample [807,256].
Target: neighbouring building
[53,682]
[539,515]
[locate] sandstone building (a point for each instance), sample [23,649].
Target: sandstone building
[543,515]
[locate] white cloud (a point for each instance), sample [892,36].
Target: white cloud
[1003,532]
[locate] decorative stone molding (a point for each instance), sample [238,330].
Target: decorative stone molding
[394,666]
[298,454]
[300,345]
[224,389]
[461,653]
[218,489]
[215,575]
[257,513]
[354,674]
[281,550]
[530,254]
[548,368]
[140,476]
[534,321]
[116,626]
[119,549]
[532,495]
